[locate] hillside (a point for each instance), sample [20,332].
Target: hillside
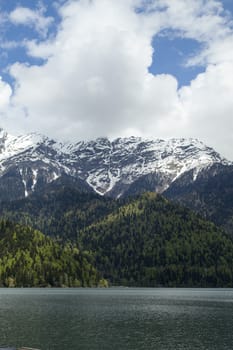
[211,195]
[152,242]
[28,258]
[61,209]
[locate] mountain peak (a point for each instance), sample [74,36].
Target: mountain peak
[109,167]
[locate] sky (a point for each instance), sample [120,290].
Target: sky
[81,69]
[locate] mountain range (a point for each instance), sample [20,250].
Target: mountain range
[119,209]
[183,170]
[109,167]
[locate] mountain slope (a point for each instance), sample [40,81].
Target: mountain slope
[28,258]
[150,242]
[60,209]
[211,195]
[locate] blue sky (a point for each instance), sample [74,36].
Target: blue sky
[83,69]
[176,50]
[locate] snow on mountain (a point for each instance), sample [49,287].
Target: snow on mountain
[107,166]
[104,164]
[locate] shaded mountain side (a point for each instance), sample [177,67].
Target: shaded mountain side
[60,209]
[12,188]
[148,183]
[211,195]
[28,258]
[152,242]
[208,192]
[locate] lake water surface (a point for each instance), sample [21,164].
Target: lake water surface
[127,318]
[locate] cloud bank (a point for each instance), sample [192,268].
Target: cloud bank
[95,78]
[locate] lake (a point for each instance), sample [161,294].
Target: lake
[117,318]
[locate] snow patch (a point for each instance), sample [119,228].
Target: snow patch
[24,183]
[34,178]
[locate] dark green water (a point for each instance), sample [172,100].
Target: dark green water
[71,319]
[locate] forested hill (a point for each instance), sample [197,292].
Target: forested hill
[152,242]
[139,241]
[28,258]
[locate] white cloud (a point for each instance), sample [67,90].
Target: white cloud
[95,81]
[208,104]
[32,18]
[5,94]
[97,72]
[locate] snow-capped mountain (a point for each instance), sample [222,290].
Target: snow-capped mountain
[110,167]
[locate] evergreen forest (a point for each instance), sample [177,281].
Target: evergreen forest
[90,241]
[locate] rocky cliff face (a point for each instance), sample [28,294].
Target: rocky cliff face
[115,168]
